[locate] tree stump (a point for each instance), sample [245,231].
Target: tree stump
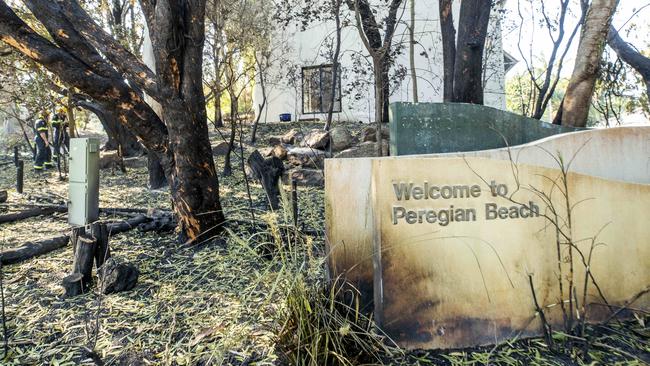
[268,172]
[72,284]
[84,256]
[20,172]
[100,232]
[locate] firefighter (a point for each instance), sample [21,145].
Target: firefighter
[43,159]
[60,132]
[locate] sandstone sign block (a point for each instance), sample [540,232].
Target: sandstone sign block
[443,245]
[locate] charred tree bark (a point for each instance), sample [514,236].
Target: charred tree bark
[84,257]
[118,135]
[157,178]
[177,30]
[468,65]
[99,231]
[268,171]
[577,100]
[227,166]
[448,33]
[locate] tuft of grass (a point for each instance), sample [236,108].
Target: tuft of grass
[321,328]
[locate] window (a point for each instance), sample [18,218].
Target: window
[317,87]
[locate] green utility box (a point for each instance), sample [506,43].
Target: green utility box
[83,191]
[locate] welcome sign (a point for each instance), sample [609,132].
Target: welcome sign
[444,246]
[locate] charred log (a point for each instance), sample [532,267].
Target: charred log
[268,172]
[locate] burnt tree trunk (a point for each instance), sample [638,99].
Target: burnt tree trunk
[157,178]
[178,49]
[117,134]
[227,165]
[268,171]
[448,33]
[468,65]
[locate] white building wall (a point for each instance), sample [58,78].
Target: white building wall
[295,49]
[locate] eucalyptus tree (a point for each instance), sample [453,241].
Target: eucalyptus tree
[83,55]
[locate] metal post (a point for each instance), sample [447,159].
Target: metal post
[20,169]
[16,155]
[294,201]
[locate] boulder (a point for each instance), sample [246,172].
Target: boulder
[220,148]
[136,162]
[340,138]
[275,140]
[266,151]
[305,177]
[280,152]
[115,276]
[363,150]
[109,159]
[316,139]
[369,134]
[291,137]
[306,157]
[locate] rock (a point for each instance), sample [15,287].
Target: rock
[306,157]
[316,139]
[117,276]
[220,149]
[275,140]
[3,196]
[291,137]
[136,162]
[249,172]
[266,151]
[109,159]
[364,149]
[280,152]
[340,138]
[305,177]
[369,134]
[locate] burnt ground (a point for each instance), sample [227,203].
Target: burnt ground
[218,303]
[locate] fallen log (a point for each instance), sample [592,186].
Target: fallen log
[33,249]
[38,210]
[35,211]
[159,223]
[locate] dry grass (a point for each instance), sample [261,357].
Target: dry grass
[225,302]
